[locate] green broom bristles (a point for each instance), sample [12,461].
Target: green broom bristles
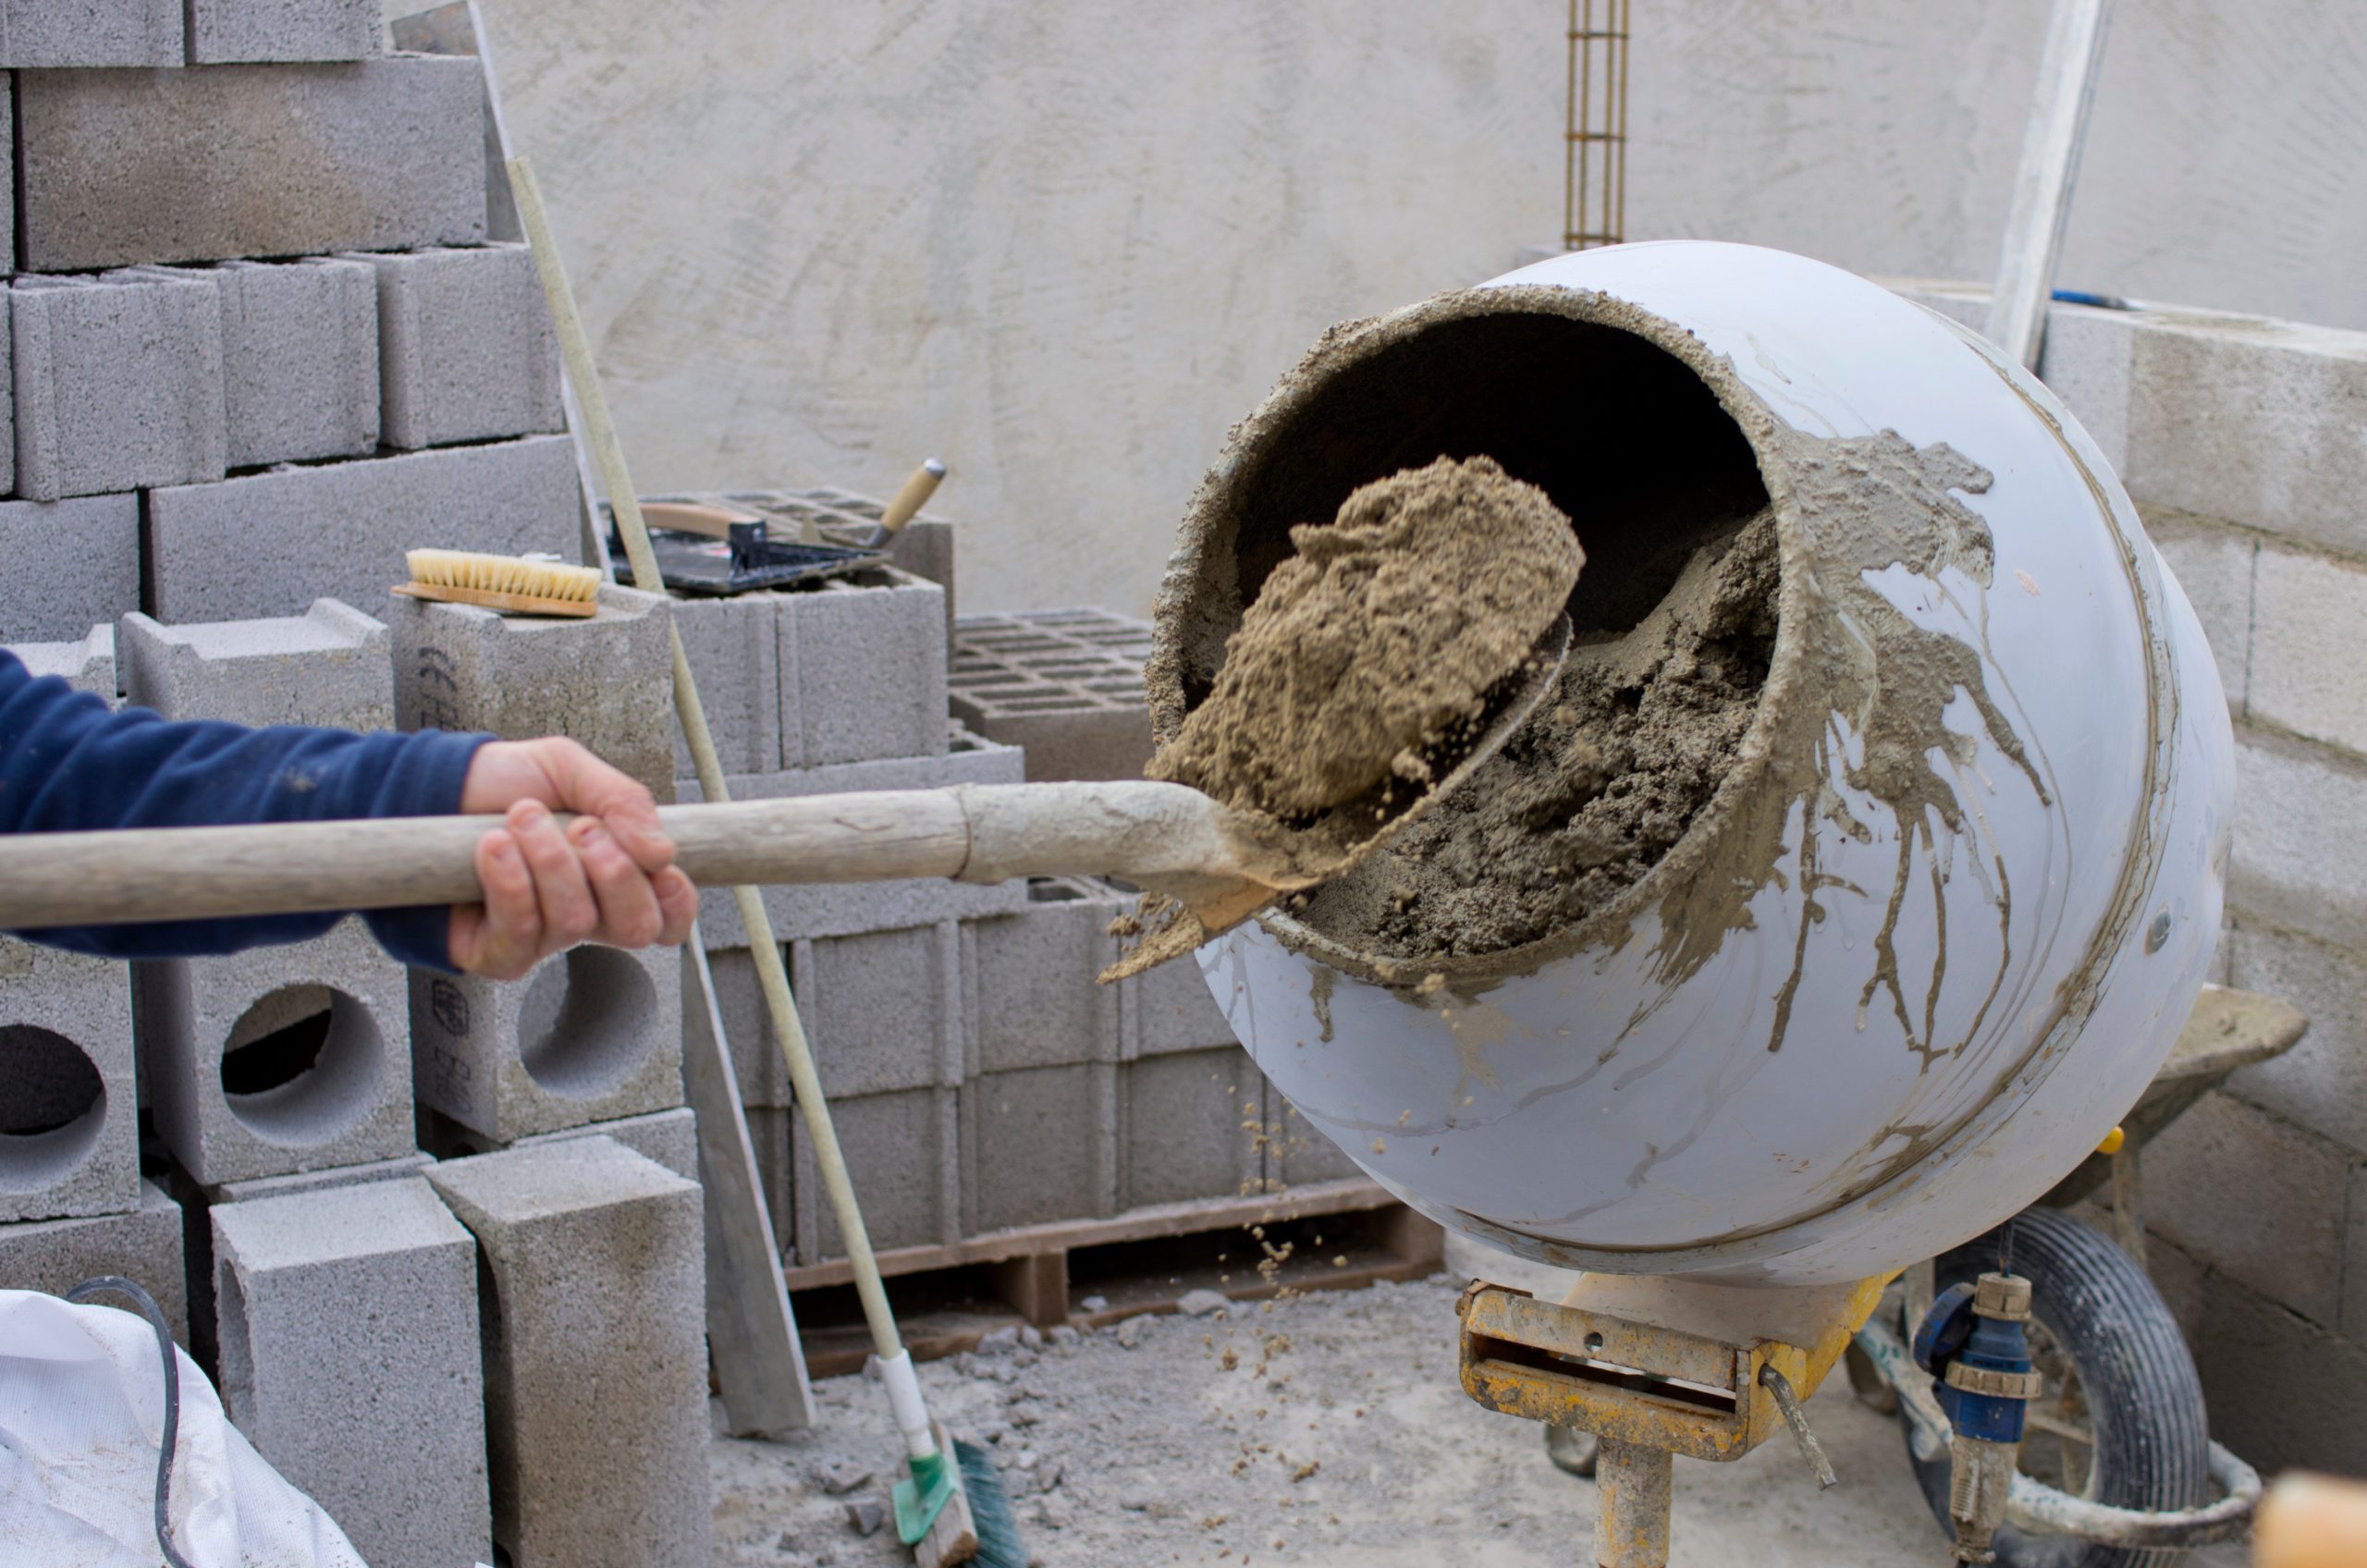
[999,1543]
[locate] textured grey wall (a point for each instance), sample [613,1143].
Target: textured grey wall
[1065,246]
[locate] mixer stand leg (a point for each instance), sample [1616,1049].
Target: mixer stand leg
[1632,1508]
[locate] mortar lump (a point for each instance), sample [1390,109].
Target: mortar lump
[1385,629]
[1593,791]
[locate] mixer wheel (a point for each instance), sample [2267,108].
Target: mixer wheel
[2120,1419]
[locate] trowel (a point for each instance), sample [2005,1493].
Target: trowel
[1218,866]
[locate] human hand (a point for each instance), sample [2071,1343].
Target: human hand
[609,878]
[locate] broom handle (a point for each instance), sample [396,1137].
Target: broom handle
[1138,829]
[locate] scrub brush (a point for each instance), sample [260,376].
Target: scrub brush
[522,584]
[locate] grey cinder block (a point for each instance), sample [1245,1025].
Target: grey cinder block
[847,909]
[67,1086]
[1168,1009]
[143,1246]
[70,565]
[278,1060]
[593,1033]
[2215,564]
[2298,849]
[1033,996]
[606,679]
[118,382]
[863,669]
[668,1137]
[594,1353]
[223,31]
[733,646]
[2321,1084]
[1040,1144]
[882,1011]
[269,543]
[904,1150]
[116,168]
[331,666]
[300,360]
[1064,685]
[2301,650]
[54,34]
[86,664]
[2255,1197]
[1187,1128]
[466,347]
[348,1324]
[401,1165]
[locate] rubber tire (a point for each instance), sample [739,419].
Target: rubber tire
[2152,1445]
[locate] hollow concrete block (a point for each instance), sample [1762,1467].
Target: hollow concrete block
[278,1060]
[1168,1009]
[594,1353]
[2299,837]
[347,1322]
[70,565]
[1038,1144]
[330,666]
[118,382]
[300,358]
[58,34]
[401,1165]
[87,664]
[1064,685]
[117,167]
[2215,564]
[2255,1196]
[850,908]
[2301,654]
[606,679]
[226,31]
[593,1033]
[863,669]
[668,1137]
[68,1124]
[733,646]
[1187,1128]
[143,1246]
[466,349]
[882,1011]
[1031,986]
[905,1151]
[269,543]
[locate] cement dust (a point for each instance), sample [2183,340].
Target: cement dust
[1585,798]
[1385,630]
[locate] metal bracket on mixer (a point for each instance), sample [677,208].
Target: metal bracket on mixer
[1625,1381]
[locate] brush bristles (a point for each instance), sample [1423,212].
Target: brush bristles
[503,574]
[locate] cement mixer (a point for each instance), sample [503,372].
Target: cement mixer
[1931,936]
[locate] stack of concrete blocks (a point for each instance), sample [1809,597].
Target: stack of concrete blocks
[328,1020]
[834,687]
[594,1315]
[1067,685]
[2239,439]
[594,1036]
[72,1203]
[257,347]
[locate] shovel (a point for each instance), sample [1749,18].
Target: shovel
[1219,865]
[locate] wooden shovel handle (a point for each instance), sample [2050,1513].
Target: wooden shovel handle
[1146,831]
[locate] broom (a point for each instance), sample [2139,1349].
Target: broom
[950,1507]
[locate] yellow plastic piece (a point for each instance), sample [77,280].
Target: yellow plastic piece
[2112,1140]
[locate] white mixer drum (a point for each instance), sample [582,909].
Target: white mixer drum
[1941,921]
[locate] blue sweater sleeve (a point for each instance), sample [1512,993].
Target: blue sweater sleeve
[69,763]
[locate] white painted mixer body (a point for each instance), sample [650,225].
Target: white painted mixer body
[1604,1109]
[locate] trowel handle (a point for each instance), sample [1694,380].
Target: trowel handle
[907,502]
[1143,831]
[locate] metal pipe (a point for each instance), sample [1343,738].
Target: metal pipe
[1632,1483]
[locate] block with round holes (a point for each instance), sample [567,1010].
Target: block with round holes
[278,1060]
[68,1130]
[593,1035]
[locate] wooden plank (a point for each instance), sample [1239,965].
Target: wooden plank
[1134,1225]
[751,1332]
[2067,85]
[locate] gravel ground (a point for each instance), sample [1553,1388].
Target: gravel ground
[1327,1429]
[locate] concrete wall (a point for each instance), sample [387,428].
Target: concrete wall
[1066,246]
[1882,135]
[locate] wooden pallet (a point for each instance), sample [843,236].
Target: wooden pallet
[1143,1261]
